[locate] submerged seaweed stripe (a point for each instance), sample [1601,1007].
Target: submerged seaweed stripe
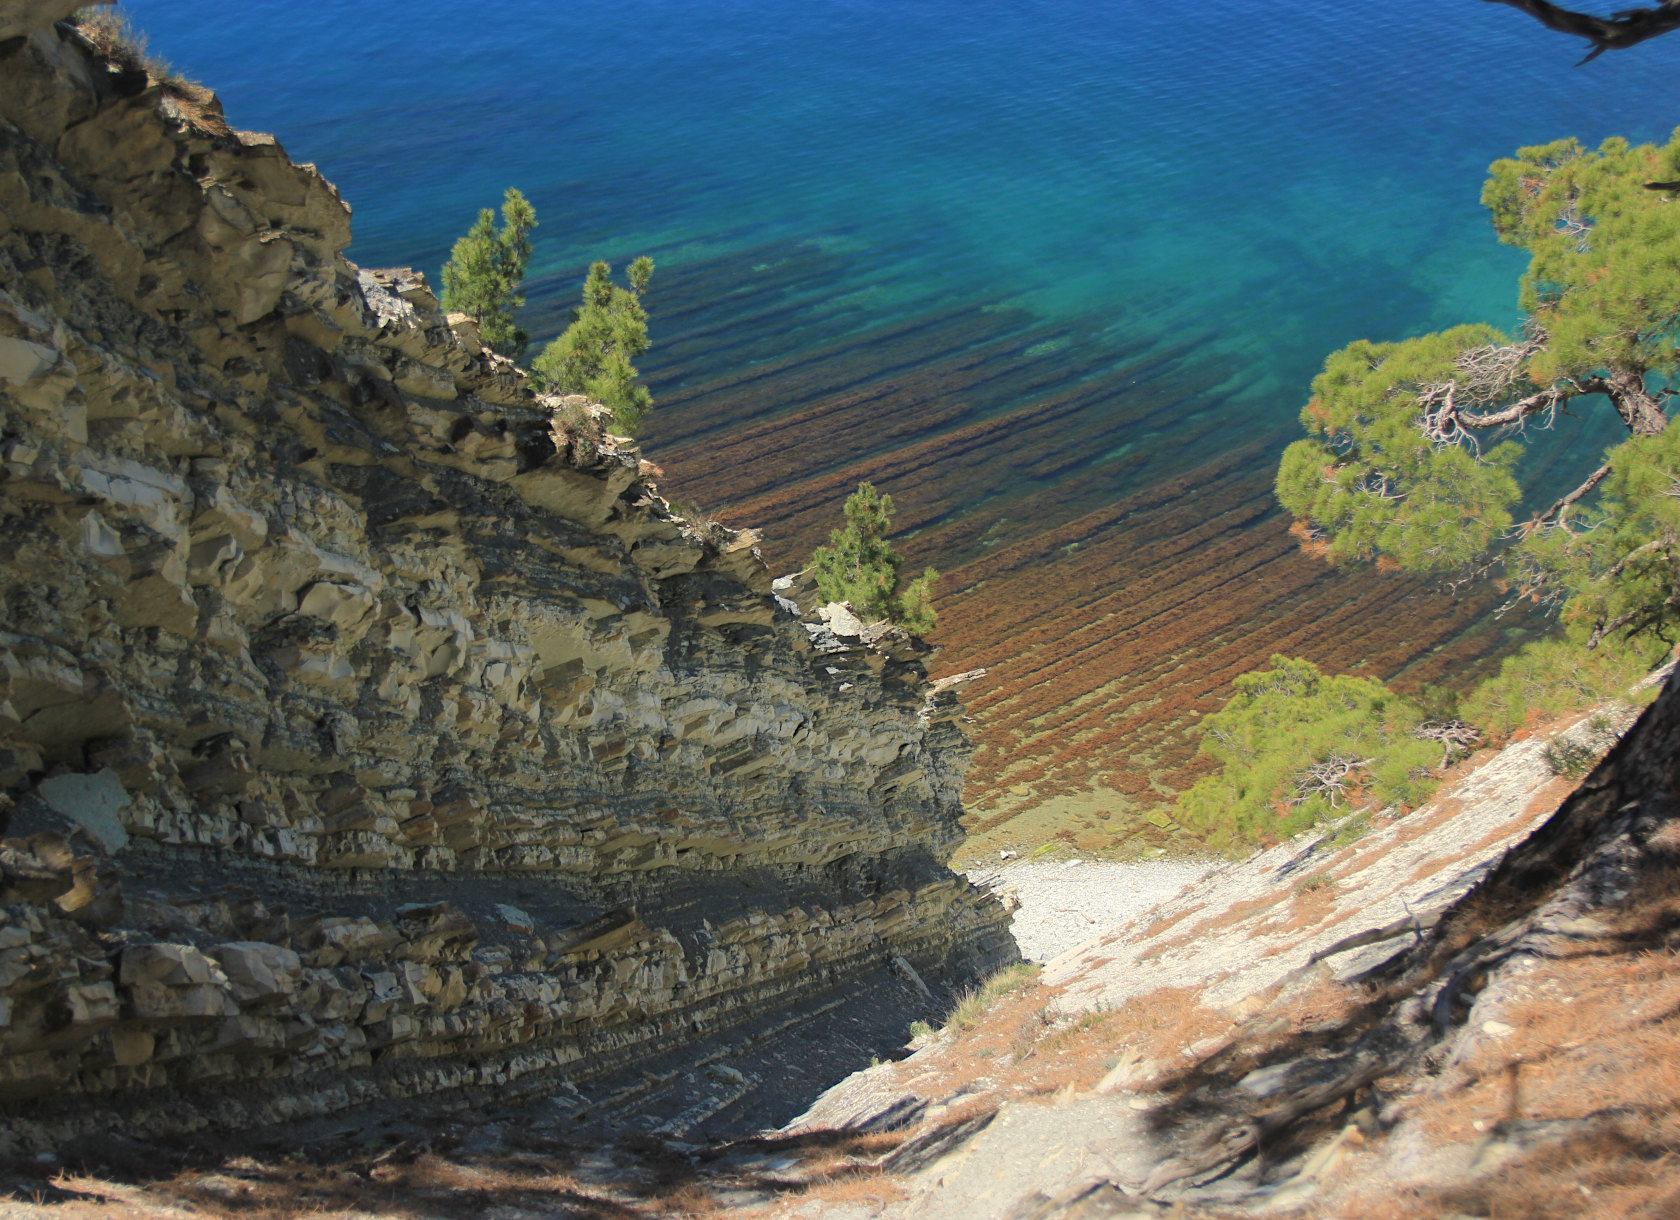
[1110,556]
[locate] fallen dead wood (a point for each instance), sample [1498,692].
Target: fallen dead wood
[1410,923]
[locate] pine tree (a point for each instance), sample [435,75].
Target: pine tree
[1296,745]
[484,271]
[593,355]
[1415,444]
[859,566]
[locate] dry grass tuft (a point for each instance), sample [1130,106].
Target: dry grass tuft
[117,40]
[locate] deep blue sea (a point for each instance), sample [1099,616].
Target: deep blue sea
[1254,182]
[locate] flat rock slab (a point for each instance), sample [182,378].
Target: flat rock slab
[92,801]
[1031,1150]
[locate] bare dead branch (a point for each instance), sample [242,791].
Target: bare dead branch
[1454,737]
[1331,777]
[1638,553]
[1557,512]
[1487,372]
[1445,421]
[1549,399]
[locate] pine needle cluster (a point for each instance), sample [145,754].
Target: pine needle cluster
[484,271]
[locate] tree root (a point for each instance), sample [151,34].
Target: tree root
[1229,1144]
[1417,925]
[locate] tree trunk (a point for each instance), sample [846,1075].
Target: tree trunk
[1640,410]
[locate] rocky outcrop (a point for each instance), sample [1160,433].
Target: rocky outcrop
[370,727]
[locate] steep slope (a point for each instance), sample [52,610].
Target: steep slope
[370,727]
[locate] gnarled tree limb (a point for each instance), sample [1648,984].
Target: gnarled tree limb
[1556,513]
[1613,33]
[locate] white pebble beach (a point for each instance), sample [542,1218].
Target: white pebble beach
[1064,903]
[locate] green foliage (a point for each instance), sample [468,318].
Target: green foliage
[1551,677]
[593,355]
[1298,745]
[1602,280]
[859,566]
[484,271]
[1351,831]
[1617,573]
[1411,453]
[1376,483]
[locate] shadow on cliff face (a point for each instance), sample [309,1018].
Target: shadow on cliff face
[681,1135]
[504,1164]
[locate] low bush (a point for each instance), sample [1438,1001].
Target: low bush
[974,1004]
[1568,758]
[1314,883]
[1552,677]
[112,35]
[1297,746]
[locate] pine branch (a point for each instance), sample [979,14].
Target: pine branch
[1556,513]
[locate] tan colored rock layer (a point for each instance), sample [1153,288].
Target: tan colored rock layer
[371,727]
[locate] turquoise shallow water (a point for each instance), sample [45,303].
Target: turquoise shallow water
[1262,181]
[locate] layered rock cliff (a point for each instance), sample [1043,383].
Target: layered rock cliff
[370,727]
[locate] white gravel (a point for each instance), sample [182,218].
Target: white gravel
[1065,903]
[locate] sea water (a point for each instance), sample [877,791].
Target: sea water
[1260,182]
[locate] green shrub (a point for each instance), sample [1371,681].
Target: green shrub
[484,271]
[1297,746]
[593,355]
[1318,881]
[1569,758]
[1551,677]
[860,566]
[1351,831]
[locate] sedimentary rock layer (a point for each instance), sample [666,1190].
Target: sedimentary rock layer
[370,727]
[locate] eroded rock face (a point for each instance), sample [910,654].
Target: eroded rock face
[370,727]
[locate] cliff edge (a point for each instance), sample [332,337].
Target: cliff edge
[370,727]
